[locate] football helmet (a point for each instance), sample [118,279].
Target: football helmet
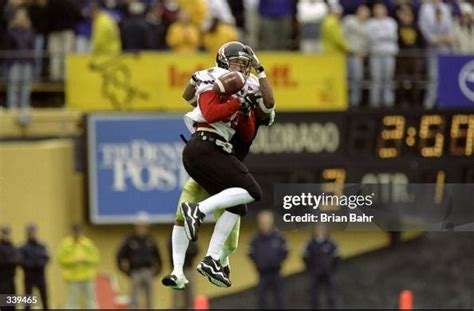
[234,50]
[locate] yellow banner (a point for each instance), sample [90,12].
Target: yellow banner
[155,81]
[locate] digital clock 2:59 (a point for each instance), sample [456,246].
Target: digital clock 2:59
[428,135]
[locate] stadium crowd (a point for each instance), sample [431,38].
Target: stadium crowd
[391,45]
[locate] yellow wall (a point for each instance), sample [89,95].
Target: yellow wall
[38,184]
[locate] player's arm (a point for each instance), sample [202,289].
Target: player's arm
[214,109]
[246,128]
[189,94]
[265,87]
[267,93]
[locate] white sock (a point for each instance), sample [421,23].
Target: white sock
[224,199]
[180,245]
[222,230]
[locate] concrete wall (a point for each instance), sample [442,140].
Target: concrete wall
[38,184]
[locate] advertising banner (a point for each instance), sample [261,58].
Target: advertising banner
[135,167]
[155,81]
[456,81]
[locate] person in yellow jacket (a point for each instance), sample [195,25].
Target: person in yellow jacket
[196,9]
[217,34]
[183,35]
[78,257]
[332,35]
[105,32]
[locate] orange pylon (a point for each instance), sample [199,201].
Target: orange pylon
[406,300]
[201,302]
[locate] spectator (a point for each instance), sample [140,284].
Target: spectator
[9,259]
[197,10]
[218,34]
[388,4]
[464,30]
[321,257]
[83,29]
[157,27]
[39,21]
[183,36]
[62,17]
[436,25]
[383,42]
[3,34]
[310,16]
[409,63]
[350,6]
[268,251]
[401,5]
[252,22]
[105,32]
[134,28]
[331,33]
[3,20]
[183,299]
[219,9]
[78,257]
[20,40]
[139,258]
[356,32]
[34,259]
[276,17]
[10,9]
[238,12]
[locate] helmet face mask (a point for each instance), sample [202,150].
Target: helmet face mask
[234,56]
[240,64]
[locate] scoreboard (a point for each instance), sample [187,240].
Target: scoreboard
[367,147]
[412,160]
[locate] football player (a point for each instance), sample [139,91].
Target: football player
[231,56]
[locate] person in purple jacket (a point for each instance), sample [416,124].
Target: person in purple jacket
[268,251]
[321,258]
[34,258]
[20,42]
[276,17]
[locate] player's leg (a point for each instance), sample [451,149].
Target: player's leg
[231,184]
[230,244]
[192,192]
[214,266]
[210,266]
[223,176]
[230,247]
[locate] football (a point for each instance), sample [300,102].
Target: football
[229,83]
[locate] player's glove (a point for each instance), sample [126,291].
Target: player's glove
[271,118]
[255,61]
[248,102]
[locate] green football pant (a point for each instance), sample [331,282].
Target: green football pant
[193,192]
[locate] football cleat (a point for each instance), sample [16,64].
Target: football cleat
[226,271]
[175,281]
[192,219]
[213,270]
